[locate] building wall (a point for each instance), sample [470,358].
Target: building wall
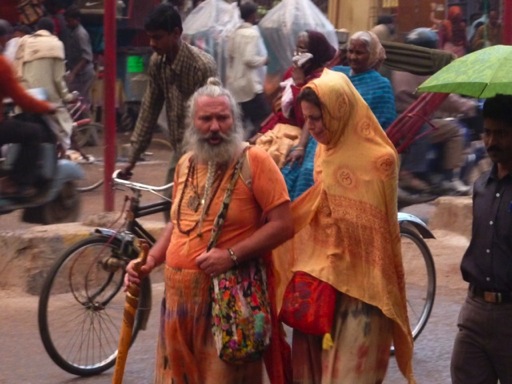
[352,15]
[415,14]
[8,11]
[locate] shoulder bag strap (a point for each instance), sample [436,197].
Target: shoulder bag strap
[219,220]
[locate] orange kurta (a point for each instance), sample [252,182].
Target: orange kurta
[245,214]
[186,352]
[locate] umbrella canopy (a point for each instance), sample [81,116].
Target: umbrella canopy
[481,74]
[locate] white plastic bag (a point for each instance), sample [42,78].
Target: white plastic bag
[281,26]
[209,26]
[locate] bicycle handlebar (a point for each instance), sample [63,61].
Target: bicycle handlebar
[139,186]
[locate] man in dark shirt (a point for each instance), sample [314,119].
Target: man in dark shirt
[79,57]
[176,71]
[483,346]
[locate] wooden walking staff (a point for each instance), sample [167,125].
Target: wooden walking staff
[130,309]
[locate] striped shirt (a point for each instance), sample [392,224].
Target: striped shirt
[172,86]
[376,90]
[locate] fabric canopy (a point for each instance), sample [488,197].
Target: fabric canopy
[414,59]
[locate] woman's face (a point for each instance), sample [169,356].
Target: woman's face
[358,56]
[302,44]
[314,123]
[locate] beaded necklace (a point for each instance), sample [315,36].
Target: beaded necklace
[211,188]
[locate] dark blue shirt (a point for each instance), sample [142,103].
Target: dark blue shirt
[487,262]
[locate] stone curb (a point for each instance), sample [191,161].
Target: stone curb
[453,214]
[29,254]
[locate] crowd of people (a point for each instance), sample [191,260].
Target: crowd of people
[453,31]
[53,54]
[323,203]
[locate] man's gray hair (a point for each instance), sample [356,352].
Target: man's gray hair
[214,88]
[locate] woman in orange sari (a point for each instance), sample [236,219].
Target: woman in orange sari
[347,235]
[452,32]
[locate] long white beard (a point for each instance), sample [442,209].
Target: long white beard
[222,153]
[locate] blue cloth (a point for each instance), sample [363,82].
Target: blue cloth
[376,90]
[299,177]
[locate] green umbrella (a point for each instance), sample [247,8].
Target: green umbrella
[481,74]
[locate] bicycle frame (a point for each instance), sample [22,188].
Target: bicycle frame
[134,229]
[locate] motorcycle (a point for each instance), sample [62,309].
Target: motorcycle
[57,199]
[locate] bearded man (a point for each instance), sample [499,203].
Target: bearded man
[257,220]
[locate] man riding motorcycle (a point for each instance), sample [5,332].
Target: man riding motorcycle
[20,180]
[445,132]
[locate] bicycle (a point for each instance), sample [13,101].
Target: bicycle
[82,300]
[87,133]
[81,303]
[419,271]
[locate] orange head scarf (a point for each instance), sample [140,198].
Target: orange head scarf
[454,15]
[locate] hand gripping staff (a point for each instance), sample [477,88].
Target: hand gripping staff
[130,309]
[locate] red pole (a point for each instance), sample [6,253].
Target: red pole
[506,15]
[109,107]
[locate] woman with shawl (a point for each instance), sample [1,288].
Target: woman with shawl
[452,32]
[347,235]
[365,55]
[283,134]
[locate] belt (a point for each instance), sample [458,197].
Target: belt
[491,297]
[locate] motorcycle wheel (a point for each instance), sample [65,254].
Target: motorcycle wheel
[65,208]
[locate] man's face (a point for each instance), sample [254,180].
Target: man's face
[493,18]
[213,136]
[163,42]
[497,138]
[213,119]
[72,23]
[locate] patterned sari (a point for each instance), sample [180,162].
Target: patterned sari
[347,234]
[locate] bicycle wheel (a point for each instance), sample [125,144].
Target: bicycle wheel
[93,173]
[81,306]
[420,279]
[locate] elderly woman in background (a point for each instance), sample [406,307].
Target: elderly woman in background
[365,55]
[347,235]
[284,128]
[452,32]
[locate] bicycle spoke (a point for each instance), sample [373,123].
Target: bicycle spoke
[81,310]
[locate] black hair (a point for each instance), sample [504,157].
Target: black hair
[45,23]
[307,94]
[73,12]
[163,17]
[247,10]
[498,108]
[23,28]
[385,19]
[5,27]
[422,37]
[52,6]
